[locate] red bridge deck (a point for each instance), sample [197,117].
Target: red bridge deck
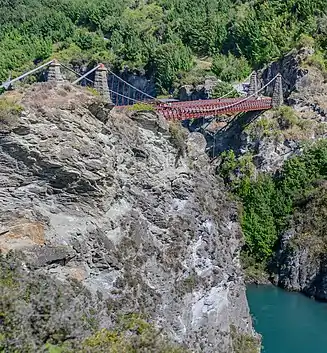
[198,109]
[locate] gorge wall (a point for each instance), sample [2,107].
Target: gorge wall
[276,136]
[127,207]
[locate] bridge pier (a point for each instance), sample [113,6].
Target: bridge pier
[253,89]
[101,83]
[277,97]
[54,73]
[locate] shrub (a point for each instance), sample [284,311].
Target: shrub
[93,91]
[286,117]
[132,334]
[244,343]
[305,41]
[222,88]
[178,134]
[230,68]
[9,112]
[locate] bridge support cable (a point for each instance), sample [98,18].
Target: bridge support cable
[9,83]
[133,101]
[134,88]
[76,73]
[85,75]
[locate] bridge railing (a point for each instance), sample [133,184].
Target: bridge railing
[98,78]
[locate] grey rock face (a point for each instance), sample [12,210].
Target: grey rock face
[290,67]
[300,269]
[120,216]
[305,91]
[195,92]
[301,262]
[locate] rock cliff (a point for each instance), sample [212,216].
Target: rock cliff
[266,142]
[128,207]
[301,263]
[274,136]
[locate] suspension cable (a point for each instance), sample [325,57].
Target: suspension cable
[76,73]
[136,89]
[86,74]
[3,85]
[123,96]
[247,98]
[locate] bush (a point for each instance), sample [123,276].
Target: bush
[286,117]
[270,200]
[222,88]
[178,135]
[131,335]
[305,41]
[230,68]
[244,343]
[9,112]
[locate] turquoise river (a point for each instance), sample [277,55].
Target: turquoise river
[288,322]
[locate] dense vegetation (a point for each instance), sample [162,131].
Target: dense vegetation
[160,36]
[40,314]
[270,201]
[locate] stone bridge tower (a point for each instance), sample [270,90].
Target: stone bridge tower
[101,83]
[253,89]
[54,73]
[277,97]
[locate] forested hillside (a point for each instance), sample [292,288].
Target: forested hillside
[160,36]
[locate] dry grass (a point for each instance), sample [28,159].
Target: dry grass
[51,95]
[9,111]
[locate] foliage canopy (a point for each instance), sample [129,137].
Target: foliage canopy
[160,36]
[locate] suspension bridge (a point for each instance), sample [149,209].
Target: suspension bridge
[122,94]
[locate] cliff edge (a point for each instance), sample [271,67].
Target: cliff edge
[125,206]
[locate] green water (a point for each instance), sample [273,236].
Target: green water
[288,322]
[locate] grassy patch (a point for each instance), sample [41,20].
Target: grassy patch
[141,107]
[243,343]
[178,134]
[9,112]
[93,91]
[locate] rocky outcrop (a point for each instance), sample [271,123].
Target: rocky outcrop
[301,262]
[274,136]
[110,202]
[196,92]
[292,69]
